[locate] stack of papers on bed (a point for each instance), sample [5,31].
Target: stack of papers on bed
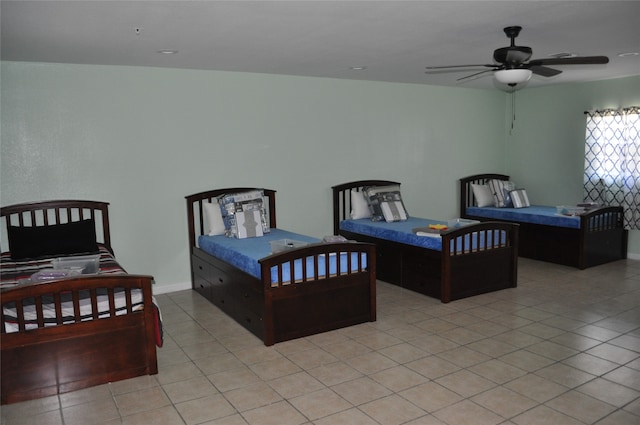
[432,230]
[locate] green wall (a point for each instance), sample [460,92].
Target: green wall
[144,138]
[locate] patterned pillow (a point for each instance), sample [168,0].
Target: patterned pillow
[498,189]
[519,198]
[244,214]
[385,203]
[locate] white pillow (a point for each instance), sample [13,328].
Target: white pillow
[213,223]
[359,206]
[483,195]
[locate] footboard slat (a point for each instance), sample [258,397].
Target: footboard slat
[128,300]
[76,305]
[20,315]
[304,272]
[39,313]
[57,302]
[94,303]
[112,302]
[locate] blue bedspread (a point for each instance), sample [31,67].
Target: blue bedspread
[401,231]
[245,253]
[397,231]
[534,214]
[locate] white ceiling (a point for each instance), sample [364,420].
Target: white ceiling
[394,40]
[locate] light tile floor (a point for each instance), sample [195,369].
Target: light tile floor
[563,349]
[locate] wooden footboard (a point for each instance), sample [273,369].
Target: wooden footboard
[601,237]
[321,300]
[39,360]
[604,238]
[489,265]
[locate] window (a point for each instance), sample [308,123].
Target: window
[612,161]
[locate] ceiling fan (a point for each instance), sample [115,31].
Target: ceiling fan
[512,65]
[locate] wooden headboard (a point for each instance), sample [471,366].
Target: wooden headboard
[466,193]
[49,213]
[195,212]
[342,198]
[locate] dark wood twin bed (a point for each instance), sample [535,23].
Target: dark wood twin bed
[275,308]
[50,344]
[462,271]
[598,238]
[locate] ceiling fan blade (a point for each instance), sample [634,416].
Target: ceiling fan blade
[475,74]
[544,71]
[463,66]
[578,60]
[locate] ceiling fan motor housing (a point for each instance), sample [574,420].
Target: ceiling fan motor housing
[512,56]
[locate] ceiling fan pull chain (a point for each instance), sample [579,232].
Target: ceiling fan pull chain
[513,105]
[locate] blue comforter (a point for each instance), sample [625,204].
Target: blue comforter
[397,231]
[245,253]
[402,232]
[534,214]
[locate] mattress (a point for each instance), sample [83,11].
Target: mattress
[13,272]
[245,253]
[534,214]
[402,232]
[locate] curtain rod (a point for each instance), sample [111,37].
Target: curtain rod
[594,111]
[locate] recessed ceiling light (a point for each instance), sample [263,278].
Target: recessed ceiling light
[626,54]
[357,68]
[168,51]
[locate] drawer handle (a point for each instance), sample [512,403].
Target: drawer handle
[200,267]
[220,279]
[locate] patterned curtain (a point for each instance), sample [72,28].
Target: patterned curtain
[612,161]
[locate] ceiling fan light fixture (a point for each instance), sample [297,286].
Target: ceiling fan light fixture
[512,76]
